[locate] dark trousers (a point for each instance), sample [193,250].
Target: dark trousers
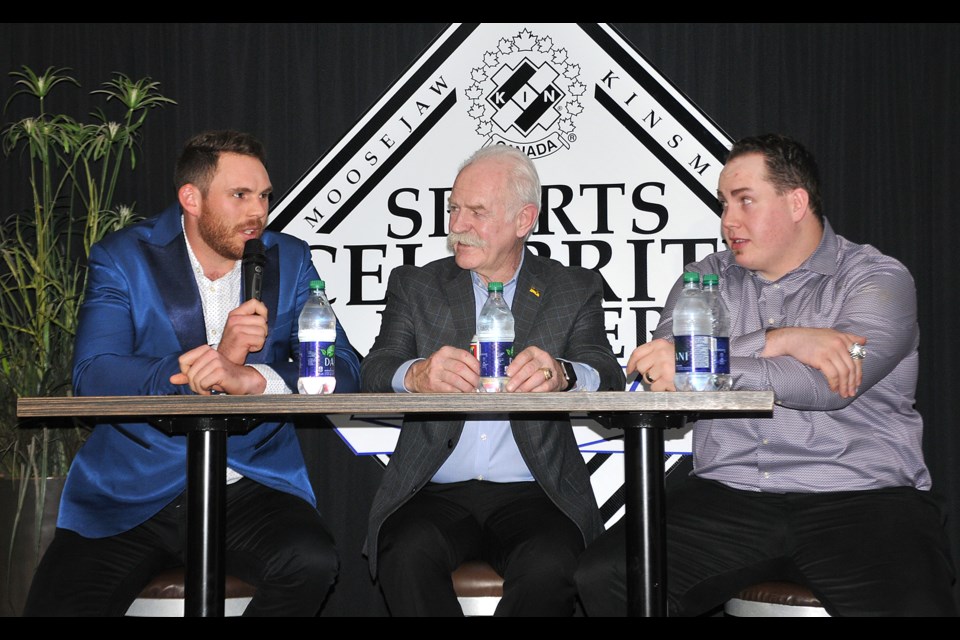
[275,541]
[881,552]
[513,526]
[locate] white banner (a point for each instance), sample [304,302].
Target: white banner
[629,168]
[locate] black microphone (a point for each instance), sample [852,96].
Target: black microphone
[254,258]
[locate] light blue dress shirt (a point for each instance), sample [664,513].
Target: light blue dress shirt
[486,449]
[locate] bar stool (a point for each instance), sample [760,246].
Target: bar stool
[478,588]
[164,595]
[775,600]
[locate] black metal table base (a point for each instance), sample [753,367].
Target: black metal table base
[206,519]
[645,521]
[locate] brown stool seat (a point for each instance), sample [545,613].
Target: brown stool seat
[478,588]
[164,596]
[775,599]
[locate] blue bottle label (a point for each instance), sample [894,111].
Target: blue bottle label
[494,358]
[692,354]
[317,359]
[721,356]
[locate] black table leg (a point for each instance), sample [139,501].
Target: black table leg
[206,518]
[645,521]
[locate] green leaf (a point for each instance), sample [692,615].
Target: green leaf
[71,169]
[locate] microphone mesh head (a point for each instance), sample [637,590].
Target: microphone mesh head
[254,251]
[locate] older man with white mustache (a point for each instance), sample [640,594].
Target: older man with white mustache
[515,493]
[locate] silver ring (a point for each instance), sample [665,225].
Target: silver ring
[857,351]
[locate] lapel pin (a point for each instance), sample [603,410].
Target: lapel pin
[535,292]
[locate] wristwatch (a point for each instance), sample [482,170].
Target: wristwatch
[569,373]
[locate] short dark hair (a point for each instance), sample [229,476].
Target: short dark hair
[789,165]
[201,153]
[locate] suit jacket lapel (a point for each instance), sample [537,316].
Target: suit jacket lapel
[459,293]
[171,270]
[526,299]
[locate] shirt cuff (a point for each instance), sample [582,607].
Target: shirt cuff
[397,381]
[275,383]
[588,379]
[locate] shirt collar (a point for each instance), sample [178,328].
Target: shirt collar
[824,259]
[478,282]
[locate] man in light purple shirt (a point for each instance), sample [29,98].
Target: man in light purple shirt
[831,491]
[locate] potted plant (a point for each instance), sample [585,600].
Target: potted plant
[72,168]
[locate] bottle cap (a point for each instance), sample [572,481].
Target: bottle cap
[711,278]
[691,276]
[495,286]
[317,284]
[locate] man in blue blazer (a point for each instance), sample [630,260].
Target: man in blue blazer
[163,315]
[514,492]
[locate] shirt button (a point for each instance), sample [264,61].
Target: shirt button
[766,474]
[479,477]
[483,437]
[770,320]
[765,441]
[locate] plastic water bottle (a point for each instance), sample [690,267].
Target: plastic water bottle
[318,336]
[720,379]
[494,340]
[692,334]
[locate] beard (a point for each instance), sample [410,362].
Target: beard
[221,237]
[466,239]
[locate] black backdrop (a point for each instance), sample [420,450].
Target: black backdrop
[876,103]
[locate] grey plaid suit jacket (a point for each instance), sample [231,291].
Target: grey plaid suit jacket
[556,308]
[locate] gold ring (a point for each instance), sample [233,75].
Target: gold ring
[857,351]
[547,373]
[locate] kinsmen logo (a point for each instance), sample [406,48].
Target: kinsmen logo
[526,94]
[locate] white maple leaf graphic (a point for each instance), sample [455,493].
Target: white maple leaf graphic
[476,111]
[525,41]
[572,71]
